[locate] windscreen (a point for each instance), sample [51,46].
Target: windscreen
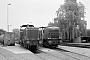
[33,33]
[53,33]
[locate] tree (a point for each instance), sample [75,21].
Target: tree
[71,15]
[2,31]
[50,24]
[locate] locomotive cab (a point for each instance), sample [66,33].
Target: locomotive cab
[51,36]
[29,36]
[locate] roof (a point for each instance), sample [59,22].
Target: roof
[42,27]
[53,27]
[27,25]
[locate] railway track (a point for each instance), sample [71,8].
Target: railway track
[59,54]
[64,55]
[46,56]
[81,45]
[51,54]
[72,54]
[3,56]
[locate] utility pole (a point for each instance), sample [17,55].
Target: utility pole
[8,17]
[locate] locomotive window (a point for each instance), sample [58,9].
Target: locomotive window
[53,33]
[53,30]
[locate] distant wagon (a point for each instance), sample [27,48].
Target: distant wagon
[8,39]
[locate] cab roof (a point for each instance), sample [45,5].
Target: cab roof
[52,27]
[27,25]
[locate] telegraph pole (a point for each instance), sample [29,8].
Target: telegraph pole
[8,17]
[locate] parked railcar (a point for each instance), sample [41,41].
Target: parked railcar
[7,39]
[29,36]
[51,36]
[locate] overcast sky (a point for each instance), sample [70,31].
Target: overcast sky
[39,12]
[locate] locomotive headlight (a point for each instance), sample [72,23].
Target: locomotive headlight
[40,42]
[37,38]
[49,41]
[60,41]
[49,38]
[27,42]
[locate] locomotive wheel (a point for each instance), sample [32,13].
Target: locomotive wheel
[28,47]
[21,44]
[33,47]
[45,44]
[24,45]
